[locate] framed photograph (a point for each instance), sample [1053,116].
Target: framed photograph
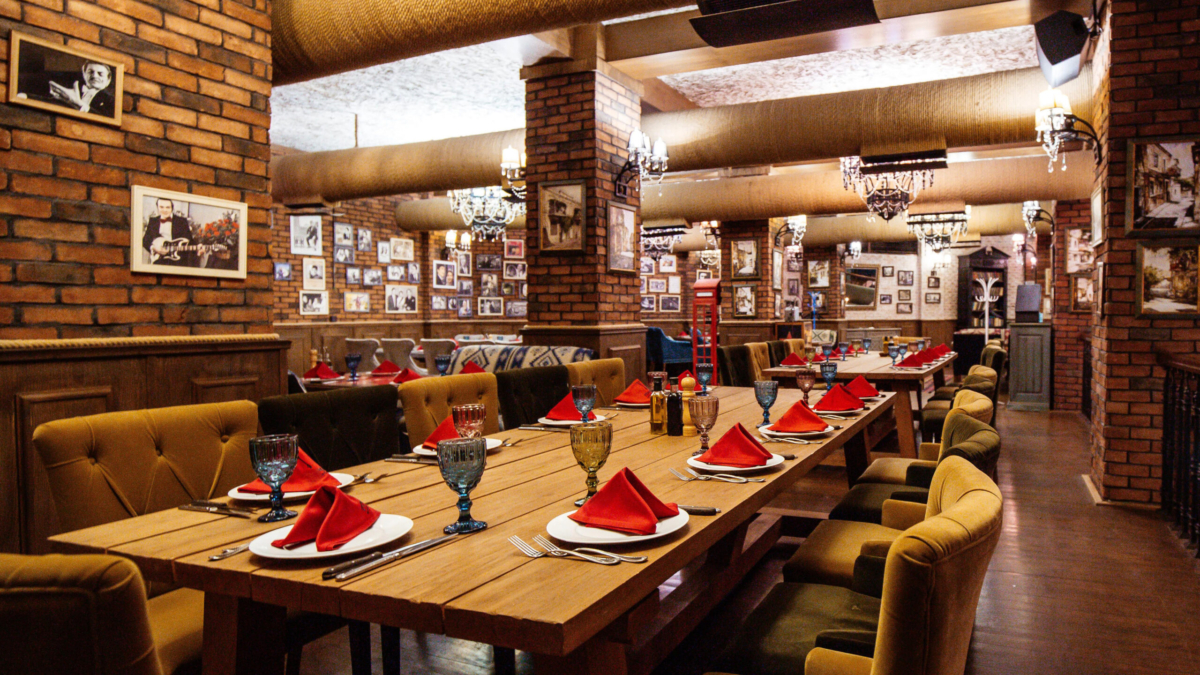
[489,285]
[904,295]
[305,235]
[793,287]
[674,284]
[1083,294]
[904,308]
[343,255]
[402,249]
[515,270]
[414,272]
[1166,279]
[437,302]
[523,290]
[793,263]
[464,263]
[647,265]
[514,248]
[744,255]
[516,309]
[562,210]
[508,288]
[314,302]
[443,273]
[658,285]
[491,306]
[313,270]
[885,299]
[343,234]
[1097,216]
[465,311]
[384,252]
[373,277]
[703,274]
[1161,187]
[452,303]
[364,240]
[283,271]
[744,301]
[645,285]
[466,287]
[649,303]
[354,276]
[401,299]
[184,234]
[1081,257]
[777,270]
[904,278]
[933,298]
[862,285]
[817,299]
[64,80]
[889,271]
[356,301]
[668,303]
[623,243]
[818,274]
[397,273]
[778,305]
[489,262]
[933,282]
[668,264]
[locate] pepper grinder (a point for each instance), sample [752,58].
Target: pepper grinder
[687,387]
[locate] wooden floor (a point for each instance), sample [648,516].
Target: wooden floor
[1073,587]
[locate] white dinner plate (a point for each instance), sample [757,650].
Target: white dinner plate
[236,493]
[563,528]
[768,431]
[623,404]
[840,412]
[492,444]
[567,423]
[387,529]
[775,460]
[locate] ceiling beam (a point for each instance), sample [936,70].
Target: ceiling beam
[662,98]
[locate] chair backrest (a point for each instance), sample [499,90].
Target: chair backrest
[984,372]
[427,402]
[434,348]
[655,339]
[118,465]
[999,358]
[966,437]
[735,366]
[398,351]
[778,351]
[526,394]
[934,574]
[607,374]
[761,358]
[368,347]
[797,345]
[338,428]
[74,615]
[975,404]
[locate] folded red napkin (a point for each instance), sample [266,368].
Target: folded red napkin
[737,448]
[307,475]
[471,367]
[444,431]
[386,368]
[860,387]
[406,375]
[818,357]
[793,360]
[686,373]
[838,399]
[799,419]
[926,356]
[837,351]
[321,372]
[565,410]
[635,393]
[912,361]
[941,350]
[332,518]
[626,505]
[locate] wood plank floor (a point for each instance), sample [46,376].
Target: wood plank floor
[1072,588]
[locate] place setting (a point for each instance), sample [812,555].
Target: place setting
[574,409]
[465,421]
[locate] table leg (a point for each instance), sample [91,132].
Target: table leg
[857,458]
[242,637]
[904,416]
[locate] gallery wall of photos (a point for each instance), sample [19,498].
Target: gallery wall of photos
[667,283]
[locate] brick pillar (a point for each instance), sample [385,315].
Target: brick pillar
[736,329]
[577,128]
[1072,329]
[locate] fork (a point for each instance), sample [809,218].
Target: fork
[794,441]
[727,477]
[534,553]
[554,550]
[508,443]
[230,552]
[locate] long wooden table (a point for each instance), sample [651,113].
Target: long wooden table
[575,617]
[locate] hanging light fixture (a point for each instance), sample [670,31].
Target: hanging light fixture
[940,259]
[888,188]
[512,170]
[1056,126]
[939,230]
[486,211]
[646,161]
[711,256]
[797,226]
[1033,213]
[659,241]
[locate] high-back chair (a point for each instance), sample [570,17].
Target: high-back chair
[895,470]
[607,374]
[797,345]
[933,415]
[427,402]
[527,394]
[662,351]
[398,351]
[370,350]
[778,350]
[761,358]
[735,366]
[338,428]
[433,349]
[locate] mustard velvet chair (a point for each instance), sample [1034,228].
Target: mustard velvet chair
[74,615]
[983,368]
[974,402]
[427,402]
[918,621]
[797,345]
[760,358]
[933,414]
[607,374]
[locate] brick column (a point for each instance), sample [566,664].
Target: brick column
[1072,330]
[736,329]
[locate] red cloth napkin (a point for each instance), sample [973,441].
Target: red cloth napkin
[626,505]
[386,368]
[860,387]
[406,375]
[941,350]
[793,360]
[307,475]
[737,448]
[332,518]
[635,393]
[799,419]
[912,361]
[565,410]
[321,372]
[686,373]
[838,399]
[471,367]
[818,357]
[444,431]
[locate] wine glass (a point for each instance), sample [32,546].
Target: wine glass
[704,415]
[845,347]
[352,361]
[920,345]
[704,373]
[903,351]
[829,371]
[866,344]
[810,352]
[591,443]
[894,352]
[468,419]
[766,391]
[857,345]
[442,361]
[462,461]
[274,458]
[584,396]
[806,379]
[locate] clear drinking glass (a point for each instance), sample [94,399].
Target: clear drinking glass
[468,419]
[442,362]
[894,352]
[866,342]
[591,443]
[829,371]
[274,459]
[704,373]
[806,379]
[766,391]
[352,361]
[462,461]
[584,396]
[845,347]
[704,411]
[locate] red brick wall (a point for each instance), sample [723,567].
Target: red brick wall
[764,294]
[196,118]
[686,266]
[1072,331]
[834,307]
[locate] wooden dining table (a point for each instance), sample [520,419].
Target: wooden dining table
[574,617]
[344,382]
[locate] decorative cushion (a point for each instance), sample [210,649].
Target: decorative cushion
[495,358]
[828,553]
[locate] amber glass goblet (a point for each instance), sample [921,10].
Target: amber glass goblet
[806,379]
[591,443]
[704,411]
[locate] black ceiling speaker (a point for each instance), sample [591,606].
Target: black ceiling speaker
[1062,38]
[725,23]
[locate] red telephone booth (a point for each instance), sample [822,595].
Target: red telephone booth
[706,320]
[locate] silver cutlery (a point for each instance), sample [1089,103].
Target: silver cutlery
[536,428]
[230,552]
[364,480]
[551,548]
[534,553]
[223,505]
[508,444]
[727,477]
[218,510]
[699,510]
[372,561]
[412,460]
[793,441]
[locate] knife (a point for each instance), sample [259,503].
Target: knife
[532,428]
[222,505]
[699,510]
[219,510]
[413,460]
[389,557]
[349,564]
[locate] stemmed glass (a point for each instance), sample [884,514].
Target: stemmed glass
[766,391]
[829,371]
[903,351]
[468,419]
[584,396]
[442,361]
[462,461]
[856,345]
[704,373]
[806,379]
[352,361]
[894,352]
[827,350]
[704,415]
[920,345]
[866,345]
[810,352]
[845,347]
[591,443]
[274,459]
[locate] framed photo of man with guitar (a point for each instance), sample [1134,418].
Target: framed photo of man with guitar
[178,233]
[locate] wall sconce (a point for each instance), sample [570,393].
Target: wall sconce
[1057,125]
[1033,213]
[645,161]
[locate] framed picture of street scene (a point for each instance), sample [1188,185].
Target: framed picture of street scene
[561,215]
[186,234]
[1160,200]
[1166,279]
[64,80]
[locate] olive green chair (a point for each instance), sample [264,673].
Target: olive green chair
[989,366]
[607,374]
[933,414]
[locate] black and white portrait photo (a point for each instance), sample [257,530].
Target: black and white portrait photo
[466,287]
[314,302]
[437,302]
[489,285]
[384,249]
[516,309]
[464,263]
[397,273]
[372,277]
[508,288]
[178,233]
[668,303]
[464,308]
[444,273]
[487,262]
[400,299]
[402,250]
[283,271]
[491,307]
[65,80]
[364,240]
[353,276]
[343,255]
[313,270]
[649,303]
[305,235]
[414,273]
[343,234]
[515,270]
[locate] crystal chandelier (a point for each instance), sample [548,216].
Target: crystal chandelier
[486,211]
[1056,126]
[1033,213]
[711,256]
[939,231]
[797,226]
[645,161]
[659,241]
[886,194]
[512,170]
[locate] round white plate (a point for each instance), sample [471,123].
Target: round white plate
[563,528]
[768,431]
[567,423]
[388,528]
[236,492]
[623,404]
[492,444]
[775,460]
[839,412]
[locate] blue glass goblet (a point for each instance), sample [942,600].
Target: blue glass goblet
[827,350]
[920,345]
[442,361]
[829,371]
[704,373]
[867,345]
[845,347]
[903,351]
[352,361]
[584,396]
[462,461]
[274,459]
[894,352]
[766,391]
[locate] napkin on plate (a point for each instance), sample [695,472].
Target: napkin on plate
[686,373]
[332,518]
[386,368]
[818,357]
[444,431]
[565,410]
[838,399]
[837,351]
[793,360]
[861,388]
[737,448]
[912,361]
[321,372]
[799,419]
[470,368]
[308,475]
[406,375]
[636,393]
[626,505]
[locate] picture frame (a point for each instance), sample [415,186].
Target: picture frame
[668,264]
[885,299]
[343,234]
[744,301]
[1079,255]
[861,287]
[794,263]
[1159,189]
[743,256]
[312,271]
[489,285]
[818,274]
[817,300]
[888,271]
[658,285]
[793,287]
[933,282]
[523,290]
[413,273]
[649,303]
[383,252]
[904,278]
[490,306]
[777,270]
[53,77]
[372,276]
[437,302]
[466,287]
[933,298]
[1170,290]
[187,235]
[508,288]
[516,309]
[562,216]
[364,240]
[675,285]
[452,303]
[354,276]
[343,255]
[488,262]
[400,299]
[904,295]
[904,308]
[444,274]
[305,234]
[397,273]
[1099,295]
[464,263]
[517,271]
[623,244]
[1097,216]
[645,285]
[646,265]
[402,249]
[1082,294]
[514,248]
[356,301]
[669,303]
[314,303]
[465,310]
[283,271]
[703,274]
